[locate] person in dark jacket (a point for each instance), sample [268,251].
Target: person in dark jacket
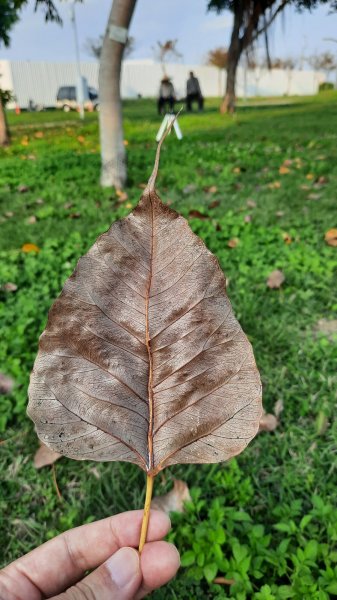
[166,95]
[193,92]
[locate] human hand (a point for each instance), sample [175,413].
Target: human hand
[57,568]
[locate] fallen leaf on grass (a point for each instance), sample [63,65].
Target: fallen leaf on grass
[268,422]
[9,287]
[251,203]
[68,205]
[44,456]
[196,214]
[81,139]
[122,196]
[39,134]
[214,204]
[223,581]
[75,215]
[248,218]
[275,279]
[275,185]
[327,327]
[322,180]
[9,214]
[25,140]
[286,238]
[331,237]
[30,248]
[232,243]
[236,170]
[31,157]
[6,384]
[283,170]
[314,196]
[174,500]
[125,142]
[310,176]
[23,189]
[305,187]
[31,220]
[212,189]
[39,201]
[279,213]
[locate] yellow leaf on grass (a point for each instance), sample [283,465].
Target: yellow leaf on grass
[30,248]
[275,185]
[233,242]
[39,134]
[25,141]
[287,238]
[126,143]
[81,139]
[310,176]
[283,170]
[237,170]
[331,237]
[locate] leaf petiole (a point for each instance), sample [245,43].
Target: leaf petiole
[147,506]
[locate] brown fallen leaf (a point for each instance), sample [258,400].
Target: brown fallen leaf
[9,287]
[214,204]
[23,189]
[275,185]
[45,456]
[155,322]
[310,176]
[275,279]
[174,500]
[251,203]
[196,214]
[268,422]
[283,170]
[212,189]
[248,218]
[68,205]
[232,243]
[9,214]
[223,581]
[31,220]
[81,139]
[322,180]
[75,215]
[122,196]
[331,237]
[236,170]
[6,384]
[327,327]
[38,134]
[287,238]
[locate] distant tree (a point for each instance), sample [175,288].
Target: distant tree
[323,62]
[10,12]
[163,51]
[252,18]
[94,47]
[218,58]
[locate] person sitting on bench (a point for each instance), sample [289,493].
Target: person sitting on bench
[193,92]
[166,95]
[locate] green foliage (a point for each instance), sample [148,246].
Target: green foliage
[325,86]
[266,520]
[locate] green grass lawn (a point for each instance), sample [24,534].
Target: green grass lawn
[268,518]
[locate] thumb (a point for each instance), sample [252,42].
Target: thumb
[119,578]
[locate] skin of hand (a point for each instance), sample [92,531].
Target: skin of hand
[57,569]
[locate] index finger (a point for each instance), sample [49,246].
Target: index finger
[62,561]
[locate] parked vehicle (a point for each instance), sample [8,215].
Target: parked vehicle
[66,98]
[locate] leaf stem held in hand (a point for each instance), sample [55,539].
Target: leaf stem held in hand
[147,506]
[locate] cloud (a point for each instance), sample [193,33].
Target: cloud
[219,23]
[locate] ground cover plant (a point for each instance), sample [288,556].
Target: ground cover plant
[259,188]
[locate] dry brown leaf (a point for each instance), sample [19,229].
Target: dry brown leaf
[287,238]
[331,237]
[196,214]
[310,176]
[283,170]
[39,134]
[275,279]
[75,215]
[23,189]
[81,139]
[251,203]
[268,422]
[122,196]
[214,204]
[31,220]
[45,456]
[174,500]
[233,242]
[142,359]
[224,581]
[212,189]
[275,185]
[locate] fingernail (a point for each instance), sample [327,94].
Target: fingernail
[123,566]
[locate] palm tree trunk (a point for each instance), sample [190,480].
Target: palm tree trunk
[114,171]
[4,131]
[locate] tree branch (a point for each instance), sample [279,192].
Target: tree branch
[270,21]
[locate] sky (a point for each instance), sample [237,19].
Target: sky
[293,35]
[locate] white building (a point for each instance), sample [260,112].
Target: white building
[40,81]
